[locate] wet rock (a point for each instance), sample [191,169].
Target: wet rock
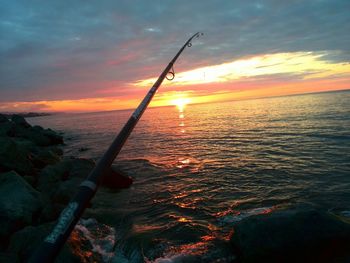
[20,204]
[29,134]
[294,235]
[15,155]
[41,157]
[24,156]
[36,134]
[7,129]
[6,126]
[66,191]
[30,180]
[20,128]
[3,118]
[116,180]
[56,150]
[9,258]
[52,176]
[36,137]
[19,120]
[24,242]
[54,137]
[83,149]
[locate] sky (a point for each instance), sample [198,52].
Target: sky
[105,55]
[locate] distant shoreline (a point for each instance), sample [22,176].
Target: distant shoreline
[28,114]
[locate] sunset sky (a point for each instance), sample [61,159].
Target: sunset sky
[105,55]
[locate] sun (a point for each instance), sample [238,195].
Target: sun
[180,103]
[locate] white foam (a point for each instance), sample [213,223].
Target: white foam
[244,214]
[345,213]
[100,236]
[178,258]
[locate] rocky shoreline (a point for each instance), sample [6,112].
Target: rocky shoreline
[36,183]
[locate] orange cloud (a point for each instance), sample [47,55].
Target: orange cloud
[260,76]
[308,65]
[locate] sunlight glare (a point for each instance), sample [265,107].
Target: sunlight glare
[180,103]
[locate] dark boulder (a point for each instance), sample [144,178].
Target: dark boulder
[295,235]
[43,156]
[54,137]
[36,137]
[55,149]
[6,126]
[116,180]
[66,190]
[15,155]
[9,258]
[21,129]
[24,156]
[19,120]
[52,176]
[29,134]
[7,129]
[3,118]
[20,204]
[83,149]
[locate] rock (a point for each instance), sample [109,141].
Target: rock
[56,150]
[20,204]
[3,118]
[30,180]
[36,134]
[38,128]
[296,235]
[53,137]
[7,129]
[9,258]
[20,128]
[15,155]
[19,120]
[23,243]
[116,180]
[83,149]
[52,176]
[66,191]
[41,157]
[29,133]
[24,156]
[6,126]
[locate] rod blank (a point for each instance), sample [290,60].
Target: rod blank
[51,246]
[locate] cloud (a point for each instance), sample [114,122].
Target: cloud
[291,66]
[24,106]
[52,50]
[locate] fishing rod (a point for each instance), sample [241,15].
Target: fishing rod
[51,246]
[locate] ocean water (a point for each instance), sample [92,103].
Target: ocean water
[199,169]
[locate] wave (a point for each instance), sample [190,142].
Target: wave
[100,236]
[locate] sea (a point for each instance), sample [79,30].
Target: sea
[200,169]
